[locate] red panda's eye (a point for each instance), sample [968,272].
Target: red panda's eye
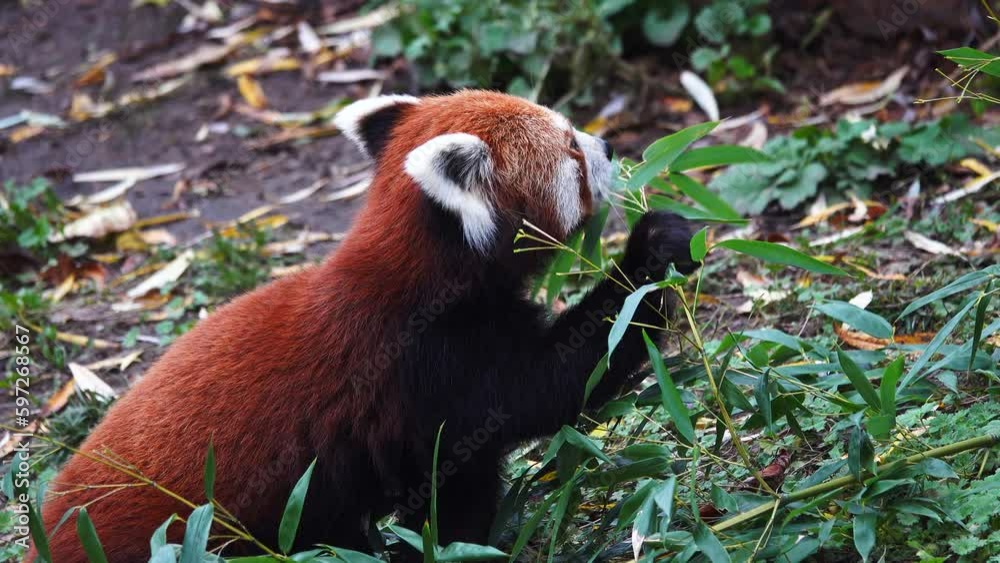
[574,145]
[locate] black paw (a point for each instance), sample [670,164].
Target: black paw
[659,239]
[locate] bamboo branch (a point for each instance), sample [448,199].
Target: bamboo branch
[848,480]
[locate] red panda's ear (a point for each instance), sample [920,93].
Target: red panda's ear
[455,171]
[369,122]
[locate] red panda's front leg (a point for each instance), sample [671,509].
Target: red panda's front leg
[575,343]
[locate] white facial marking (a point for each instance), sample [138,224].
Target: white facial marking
[599,169]
[425,164]
[566,187]
[349,119]
[560,121]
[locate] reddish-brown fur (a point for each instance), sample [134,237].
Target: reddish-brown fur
[263,377]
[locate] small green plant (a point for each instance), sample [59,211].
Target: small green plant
[233,264]
[558,50]
[731,47]
[29,215]
[853,157]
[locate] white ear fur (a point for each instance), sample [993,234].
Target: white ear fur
[349,119]
[453,170]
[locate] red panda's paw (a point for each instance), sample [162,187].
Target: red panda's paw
[659,239]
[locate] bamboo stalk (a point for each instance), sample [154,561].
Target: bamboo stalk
[840,482]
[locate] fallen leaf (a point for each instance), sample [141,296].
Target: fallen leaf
[350,76]
[368,20]
[100,222]
[31,85]
[293,135]
[7,70]
[203,55]
[87,380]
[308,39]
[349,192]
[158,237]
[121,362]
[263,65]
[168,274]
[930,245]
[58,400]
[164,219]
[104,196]
[302,194]
[96,72]
[701,93]
[988,225]
[24,133]
[251,91]
[136,173]
[972,187]
[865,92]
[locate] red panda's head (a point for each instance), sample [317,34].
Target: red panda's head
[488,159]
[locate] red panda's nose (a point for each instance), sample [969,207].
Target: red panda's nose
[608,151]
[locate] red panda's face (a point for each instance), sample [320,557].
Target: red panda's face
[488,158]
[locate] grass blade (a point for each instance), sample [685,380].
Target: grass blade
[210,472]
[980,320]
[933,346]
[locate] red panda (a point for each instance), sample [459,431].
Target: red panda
[421,317]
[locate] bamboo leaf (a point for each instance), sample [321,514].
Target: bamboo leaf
[705,197]
[669,394]
[780,254]
[865,321]
[859,380]
[718,155]
[289,525]
[199,523]
[88,537]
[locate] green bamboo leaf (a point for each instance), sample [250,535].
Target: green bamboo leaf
[159,537]
[413,539]
[565,494]
[699,245]
[210,472]
[977,331]
[704,197]
[561,267]
[572,436]
[626,313]
[167,554]
[434,486]
[933,346]
[88,537]
[199,523]
[780,254]
[718,155]
[860,453]
[887,388]
[459,551]
[864,533]
[669,394]
[662,153]
[528,530]
[591,248]
[595,377]
[762,393]
[861,383]
[962,283]
[865,321]
[351,556]
[969,58]
[37,528]
[429,546]
[289,525]
[709,544]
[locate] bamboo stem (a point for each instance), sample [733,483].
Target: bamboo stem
[840,482]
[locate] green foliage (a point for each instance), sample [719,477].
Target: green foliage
[730,47]
[29,215]
[233,265]
[531,47]
[851,158]
[512,46]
